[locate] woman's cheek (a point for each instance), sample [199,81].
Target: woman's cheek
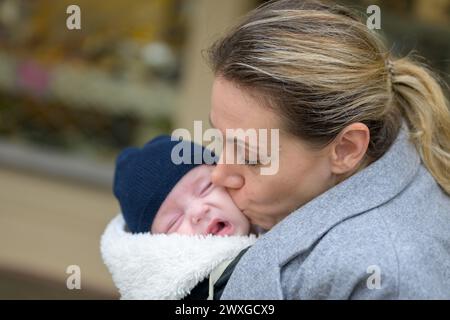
[261,189]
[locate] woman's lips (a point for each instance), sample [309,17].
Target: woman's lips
[220,228]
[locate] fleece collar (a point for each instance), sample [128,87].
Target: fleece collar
[161,266]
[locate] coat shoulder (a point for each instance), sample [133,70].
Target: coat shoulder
[346,263]
[389,252]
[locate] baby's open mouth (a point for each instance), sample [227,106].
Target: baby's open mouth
[220,228]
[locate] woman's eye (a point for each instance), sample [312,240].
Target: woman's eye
[251,163]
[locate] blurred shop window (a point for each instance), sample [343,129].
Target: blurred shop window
[90,91]
[114,83]
[421,26]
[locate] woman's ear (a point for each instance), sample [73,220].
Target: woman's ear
[349,148]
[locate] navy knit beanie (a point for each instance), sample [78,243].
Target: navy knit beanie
[145,176]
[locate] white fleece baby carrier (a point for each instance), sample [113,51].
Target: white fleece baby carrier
[161,266]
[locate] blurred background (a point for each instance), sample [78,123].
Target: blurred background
[71,99]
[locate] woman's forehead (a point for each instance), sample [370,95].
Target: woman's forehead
[233,108]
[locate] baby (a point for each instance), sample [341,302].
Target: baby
[167,205]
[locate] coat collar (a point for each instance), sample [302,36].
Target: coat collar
[376,184]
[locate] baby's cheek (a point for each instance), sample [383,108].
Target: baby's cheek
[185,228]
[219,197]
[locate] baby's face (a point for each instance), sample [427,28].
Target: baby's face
[196,206]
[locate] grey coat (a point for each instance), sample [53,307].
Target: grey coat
[383,233]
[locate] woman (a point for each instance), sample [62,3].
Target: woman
[360,205]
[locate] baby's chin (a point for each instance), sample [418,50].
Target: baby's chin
[241,225]
[241,229]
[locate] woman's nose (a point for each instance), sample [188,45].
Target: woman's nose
[222,175]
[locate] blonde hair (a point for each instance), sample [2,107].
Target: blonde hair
[322,69]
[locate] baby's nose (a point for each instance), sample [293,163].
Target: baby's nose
[198,212]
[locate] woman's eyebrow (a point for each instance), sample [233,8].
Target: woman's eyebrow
[243,144]
[233,140]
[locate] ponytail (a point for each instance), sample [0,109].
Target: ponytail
[425,107]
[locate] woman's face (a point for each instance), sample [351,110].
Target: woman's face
[196,206]
[302,173]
